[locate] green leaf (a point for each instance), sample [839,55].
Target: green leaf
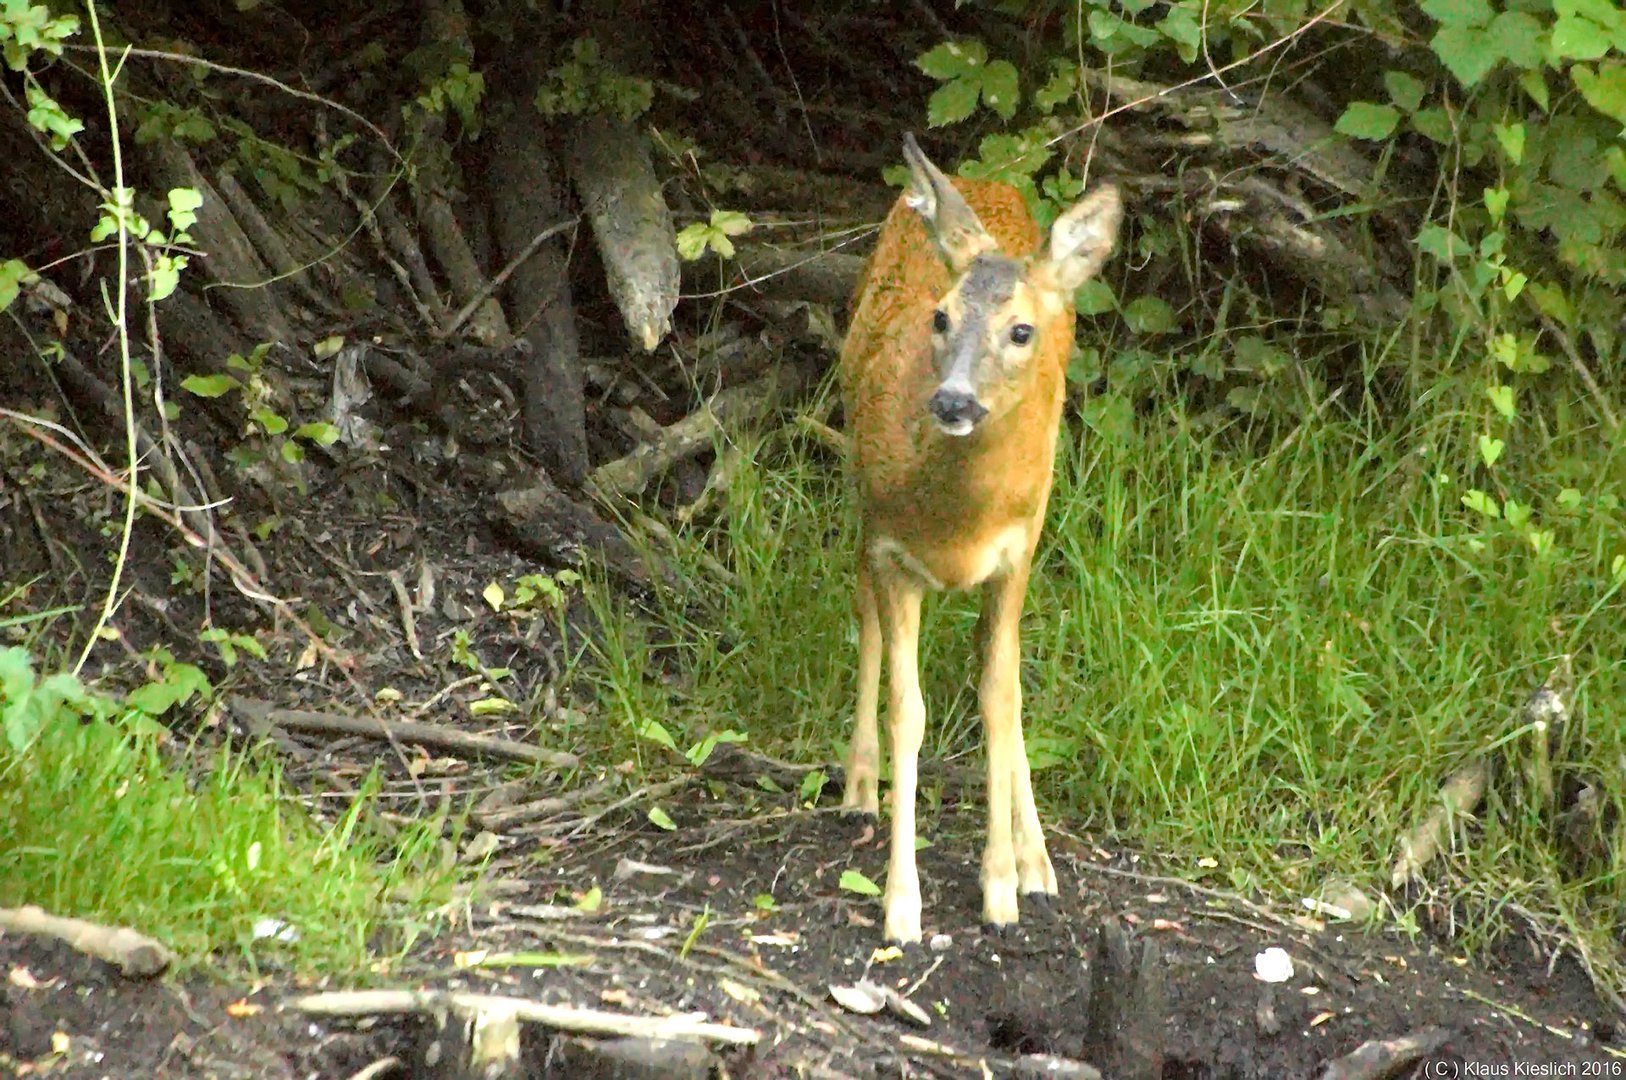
[1458,12]
[1406,91]
[319,432]
[691,240]
[1496,203]
[1604,89]
[1617,569]
[730,222]
[1516,35]
[1094,297]
[1115,35]
[1535,84]
[661,819]
[165,276]
[952,59]
[1180,26]
[1435,125]
[1366,120]
[999,88]
[812,785]
[1466,51]
[1501,396]
[13,273]
[1478,501]
[1442,243]
[1490,449]
[854,882]
[1511,138]
[656,732]
[952,102]
[1576,38]
[1149,315]
[209,386]
[272,423]
[1551,302]
[183,207]
[1060,89]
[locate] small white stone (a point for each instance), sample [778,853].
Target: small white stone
[941,943]
[1273,965]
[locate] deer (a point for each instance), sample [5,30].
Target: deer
[952,378]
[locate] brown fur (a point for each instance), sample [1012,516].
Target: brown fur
[951,510]
[945,494]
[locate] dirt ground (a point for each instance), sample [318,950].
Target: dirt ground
[993,1001]
[680,924]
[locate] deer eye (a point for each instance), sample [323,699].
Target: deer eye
[1021,334]
[940,322]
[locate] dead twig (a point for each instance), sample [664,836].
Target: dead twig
[1574,355]
[131,951]
[262,713]
[558,1017]
[630,475]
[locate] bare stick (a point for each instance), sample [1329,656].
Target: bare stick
[1582,370]
[130,951]
[497,282]
[405,731]
[558,1017]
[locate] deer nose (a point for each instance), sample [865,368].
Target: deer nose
[956,408]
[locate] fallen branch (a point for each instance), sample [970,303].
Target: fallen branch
[1380,1059]
[263,714]
[558,1017]
[131,951]
[1462,791]
[630,475]
[1459,796]
[822,277]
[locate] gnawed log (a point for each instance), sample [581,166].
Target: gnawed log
[1124,1029]
[544,523]
[446,29]
[630,475]
[822,277]
[622,199]
[232,260]
[268,242]
[520,182]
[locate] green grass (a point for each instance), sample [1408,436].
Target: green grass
[1264,651]
[100,822]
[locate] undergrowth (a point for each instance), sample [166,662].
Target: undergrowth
[202,850]
[1261,650]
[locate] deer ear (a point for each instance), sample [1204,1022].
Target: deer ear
[959,235]
[1082,238]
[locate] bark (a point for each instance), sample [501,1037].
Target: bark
[520,183]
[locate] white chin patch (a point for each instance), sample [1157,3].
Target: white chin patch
[958,429]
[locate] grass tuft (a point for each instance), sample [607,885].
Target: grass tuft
[102,823]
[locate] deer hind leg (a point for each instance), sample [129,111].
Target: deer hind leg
[906,720]
[864,755]
[1015,856]
[1034,874]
